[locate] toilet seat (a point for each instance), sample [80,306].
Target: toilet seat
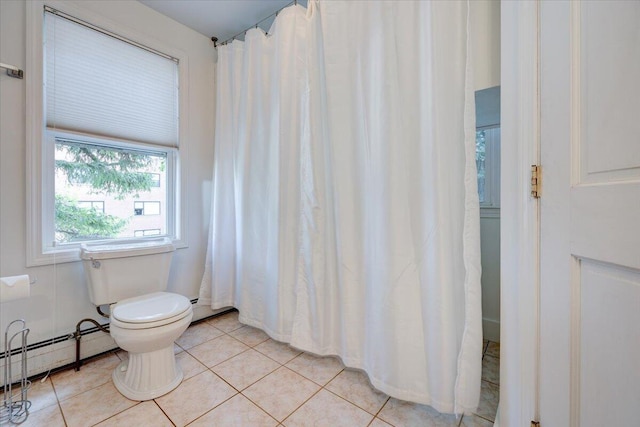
[150,311]
[146,327]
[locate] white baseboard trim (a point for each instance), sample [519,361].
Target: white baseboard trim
[489,212]
[491,329]
[50,357]
[54,356]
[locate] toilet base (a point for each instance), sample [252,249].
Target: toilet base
[145,376]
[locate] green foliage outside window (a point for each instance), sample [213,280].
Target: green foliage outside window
[77,223]
[109,171]
[480,162]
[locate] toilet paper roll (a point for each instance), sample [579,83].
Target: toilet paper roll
[14,287]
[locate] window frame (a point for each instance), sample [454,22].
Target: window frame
[48,182]
[41,250]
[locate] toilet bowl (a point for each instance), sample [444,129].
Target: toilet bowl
[146,327]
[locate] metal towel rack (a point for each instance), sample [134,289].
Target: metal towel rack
[12,71]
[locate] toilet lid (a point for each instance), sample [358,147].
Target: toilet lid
[150,308]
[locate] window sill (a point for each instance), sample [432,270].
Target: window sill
[62,255]
[489,212]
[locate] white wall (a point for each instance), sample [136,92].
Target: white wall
[485,35]
[59,298]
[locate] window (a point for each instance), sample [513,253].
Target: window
[104,137]
[155,179]
[146,208]
[145,233]
[91,205]
[488,164]
[84,170]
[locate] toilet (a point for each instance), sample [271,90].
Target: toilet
[145,320]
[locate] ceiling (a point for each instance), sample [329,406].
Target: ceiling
[220,18]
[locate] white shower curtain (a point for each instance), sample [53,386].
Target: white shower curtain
[345,213]
[262,101]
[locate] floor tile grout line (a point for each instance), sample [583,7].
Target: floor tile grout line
[210,409]
[349,402]
[225,381]
[231,385]
[292,412]
[240,391]
[210,368]
[198,361]
[260,407]
[118,413]
[380,410]
[491,382]
[353,403]
[484,418]
[64,419]
[264,410]
[83,391]
[210,322]
[277,361]
[461,418]
[263,377]
[302,404]
[231,357]
[162,410]
[313,381]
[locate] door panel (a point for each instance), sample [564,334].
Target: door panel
[590,213]
[608,40]
[605,222]
[608,360]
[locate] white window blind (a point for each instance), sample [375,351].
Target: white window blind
[101,85]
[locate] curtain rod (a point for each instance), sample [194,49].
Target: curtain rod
[12,71]
[230,39]
[108,33]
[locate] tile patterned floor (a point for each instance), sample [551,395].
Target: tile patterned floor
[236,376]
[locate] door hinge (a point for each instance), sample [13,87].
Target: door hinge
[535,423]
[536,180]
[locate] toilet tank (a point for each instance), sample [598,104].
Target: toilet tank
[116,271]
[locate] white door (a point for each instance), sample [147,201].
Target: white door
[590,214]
